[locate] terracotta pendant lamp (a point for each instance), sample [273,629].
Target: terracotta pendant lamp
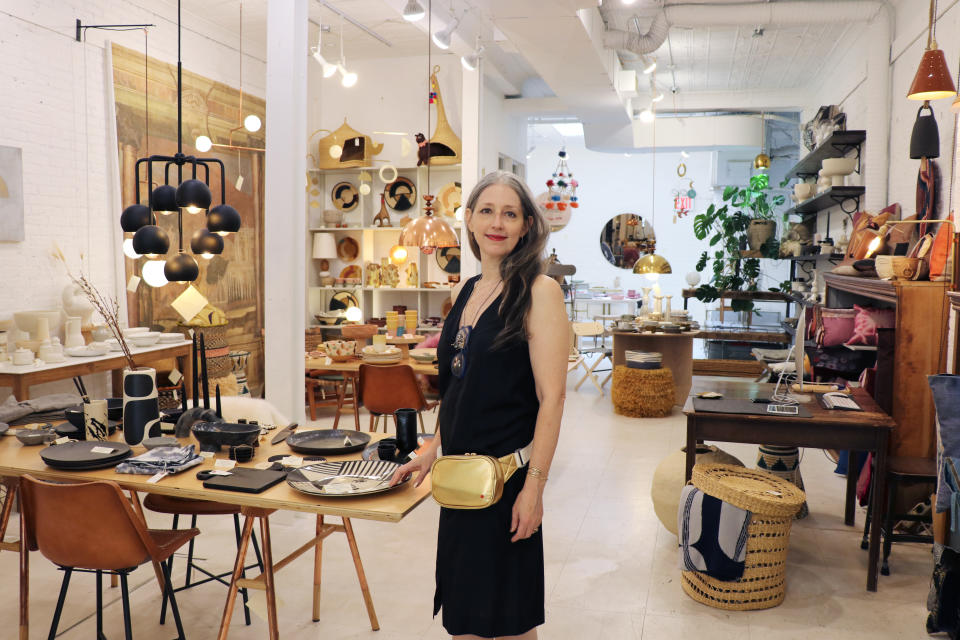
[652,265]
[933,80]
[428,232]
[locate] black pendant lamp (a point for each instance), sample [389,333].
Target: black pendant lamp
[190,193]
[925,139]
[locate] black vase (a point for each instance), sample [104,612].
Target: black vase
[141,409]
[406,430]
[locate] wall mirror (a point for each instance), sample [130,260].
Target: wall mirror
[625,238]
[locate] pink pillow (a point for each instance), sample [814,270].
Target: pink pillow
[430,342]
[867,322]
[835,327]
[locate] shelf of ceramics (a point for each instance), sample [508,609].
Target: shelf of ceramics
[830,198]
[445,290]
[376,169]
[836,146]
[339,287]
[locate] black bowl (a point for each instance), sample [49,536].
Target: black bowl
[213,435]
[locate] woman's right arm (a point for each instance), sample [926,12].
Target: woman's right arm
[420,464]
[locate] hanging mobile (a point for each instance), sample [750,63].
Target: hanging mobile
[562,187]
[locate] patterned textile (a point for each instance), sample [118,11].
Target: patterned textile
[161,459]
[783,462]
[713,535]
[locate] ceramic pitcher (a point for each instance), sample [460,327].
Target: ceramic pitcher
[141,408]
[72,337]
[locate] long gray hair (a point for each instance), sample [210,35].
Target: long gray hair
[522,266]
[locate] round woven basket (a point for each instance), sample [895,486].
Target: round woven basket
[773,503]
[219,367]
[214,337]
[642,393]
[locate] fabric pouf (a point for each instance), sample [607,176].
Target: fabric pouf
[772,503]
[783,462]
[642,393]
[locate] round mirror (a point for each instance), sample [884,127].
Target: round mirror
[625,238]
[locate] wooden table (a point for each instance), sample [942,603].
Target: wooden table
[21,378]
[867,430]
[16,460]
[353,366]
[404,343]
[677,350]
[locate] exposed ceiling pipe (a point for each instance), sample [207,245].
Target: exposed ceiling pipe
[640,43]
[732,15]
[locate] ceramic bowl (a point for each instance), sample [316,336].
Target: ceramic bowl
[332,216]
[839,166]
[803,191]
[31,437]
[147,339]
[213,435]
[905,268]
[113,344]
[27,320]
[132,331]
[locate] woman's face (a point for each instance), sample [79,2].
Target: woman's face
[497,222]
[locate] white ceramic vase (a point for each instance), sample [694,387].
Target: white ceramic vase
[72,337]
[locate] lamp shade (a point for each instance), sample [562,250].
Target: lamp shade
[925,139]
[223,219]
[163,199]
[193,195]
[652,263]
[206,244]
[324,246]
[761,162]
[151,241]
[181,268]
[134,217]
[933,80]
[428,233]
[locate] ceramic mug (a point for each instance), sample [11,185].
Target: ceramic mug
[95,419]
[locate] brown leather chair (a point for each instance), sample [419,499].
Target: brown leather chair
[92,527]
[193,508]
[384,389]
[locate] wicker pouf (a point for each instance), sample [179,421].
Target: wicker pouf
[642,393]
[773,503]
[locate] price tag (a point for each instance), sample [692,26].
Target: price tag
[263,466]
[221,472]
[223,463]
[133,283]
[175,377]
[206,455]
[239,182]
[292,461]
[62,440]
[157,477]
[102,450]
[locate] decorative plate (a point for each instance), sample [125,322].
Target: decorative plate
[449,199]
[345,196]
[348,249]
[401,194]
[347,478]
[327,442]
[342,300]
[448,258]
[352,271]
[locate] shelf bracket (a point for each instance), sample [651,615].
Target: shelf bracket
[844,148]
[842,200]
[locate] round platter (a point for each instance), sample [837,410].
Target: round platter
[401,194]
[348,249]
[342,300]
[78,455]
[344,479]
[345,196]
[448,199]
[327,441]
[448,259]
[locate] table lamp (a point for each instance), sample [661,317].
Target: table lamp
[324,250]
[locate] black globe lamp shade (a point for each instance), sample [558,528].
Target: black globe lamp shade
[223,219]
[151,241]
[163,199]
[206,244]
[134,217]
[181,268]
[193,195]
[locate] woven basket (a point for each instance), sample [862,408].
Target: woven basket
[214,337]
[219,367]
[642,393]
[773,503]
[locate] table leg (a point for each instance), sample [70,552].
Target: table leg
[267,549]
[355,383]
[24,580]
[21,389]
[317,565]
[853,465]
[361,576]
[237,573]
[691,447]
[878,509]
[185,367]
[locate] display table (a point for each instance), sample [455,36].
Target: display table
[867,430]
[677,350]
[22,377]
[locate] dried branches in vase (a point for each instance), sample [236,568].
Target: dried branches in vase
[106,306]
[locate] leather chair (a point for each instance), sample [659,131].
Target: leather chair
[384,389]
[92,527]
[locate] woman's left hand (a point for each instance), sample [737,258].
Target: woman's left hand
[527,511]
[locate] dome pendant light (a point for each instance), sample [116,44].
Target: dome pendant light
[206,244]
[932,81]
[223,219]
[651,265]
[134,217]
[151,241]
[163,200]
[194,196]
[181,268]
[762,161]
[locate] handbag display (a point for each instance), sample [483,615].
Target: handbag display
[474,481]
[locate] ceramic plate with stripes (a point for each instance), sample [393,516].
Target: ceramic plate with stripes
[345,478]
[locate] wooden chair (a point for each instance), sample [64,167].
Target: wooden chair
[315,381]
[596,331]
[91,527]
[384,389]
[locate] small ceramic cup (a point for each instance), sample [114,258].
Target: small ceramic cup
[95,419]
[379,343]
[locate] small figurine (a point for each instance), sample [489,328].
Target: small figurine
[413,277]
[382,219]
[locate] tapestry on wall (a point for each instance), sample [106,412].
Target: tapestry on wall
[232,281]
[11,194]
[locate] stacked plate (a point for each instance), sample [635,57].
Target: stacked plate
[643,359]
[390,355]
[85,455]
[424,355]
[347,478]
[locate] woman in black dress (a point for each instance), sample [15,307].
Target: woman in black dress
[502,359]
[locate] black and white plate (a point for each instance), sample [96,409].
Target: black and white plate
[344,479]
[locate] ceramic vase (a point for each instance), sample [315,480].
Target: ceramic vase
[668,480]
[141,408]
[759,232]
[946,400]
[72,336]
[240,371]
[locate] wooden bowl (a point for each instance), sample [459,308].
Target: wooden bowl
[905,268]
[359,331]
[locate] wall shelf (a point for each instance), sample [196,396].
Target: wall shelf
[836,146]
[830,198]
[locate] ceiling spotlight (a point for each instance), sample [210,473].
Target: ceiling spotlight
[651,66]
[470,61]
[347,78]
[442,38]
[647,116]
[658,97]
[413,11]
[328,67]
[203,144]
[252,123]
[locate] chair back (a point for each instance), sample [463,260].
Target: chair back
[583,329]
[383,390]
[90,525]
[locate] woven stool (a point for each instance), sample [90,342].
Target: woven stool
[642,393]
[772,503]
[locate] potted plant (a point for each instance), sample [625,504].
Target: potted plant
[741,231]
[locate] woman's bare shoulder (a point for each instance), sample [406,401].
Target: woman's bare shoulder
[544,288]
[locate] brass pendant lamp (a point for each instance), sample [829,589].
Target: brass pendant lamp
[762,161]
[932,81]
[428,232]
[652,265]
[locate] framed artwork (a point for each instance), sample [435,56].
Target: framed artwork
[11,194]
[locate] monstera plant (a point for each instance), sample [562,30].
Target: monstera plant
[745,219]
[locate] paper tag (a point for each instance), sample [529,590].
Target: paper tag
[223,463]
[239,184]
[102,450]
[774,493]
[175,377]
[133,283]
[221,472]
[263,466]
[157,477]
[347,442]
[62,440]
[292,461]
[189,303]
[206,455]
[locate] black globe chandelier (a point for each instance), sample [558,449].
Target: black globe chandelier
[192,195]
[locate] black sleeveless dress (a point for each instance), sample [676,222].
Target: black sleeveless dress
[487,585]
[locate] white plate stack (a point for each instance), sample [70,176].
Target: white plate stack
[643,359]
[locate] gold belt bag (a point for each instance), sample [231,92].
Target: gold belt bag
[470,481]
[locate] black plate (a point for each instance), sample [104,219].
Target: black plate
[327,441]
[77,456]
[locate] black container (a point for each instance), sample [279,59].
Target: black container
[213,435]
[406,431]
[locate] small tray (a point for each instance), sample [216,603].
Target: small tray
[325,442]
[344,479]
[77,456]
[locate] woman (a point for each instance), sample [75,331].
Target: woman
[502,359]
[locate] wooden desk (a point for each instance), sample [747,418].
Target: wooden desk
[677,350]
[17,460]
[868,430]
[21,378]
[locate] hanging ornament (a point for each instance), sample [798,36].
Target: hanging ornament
[683,198]
[562,188]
